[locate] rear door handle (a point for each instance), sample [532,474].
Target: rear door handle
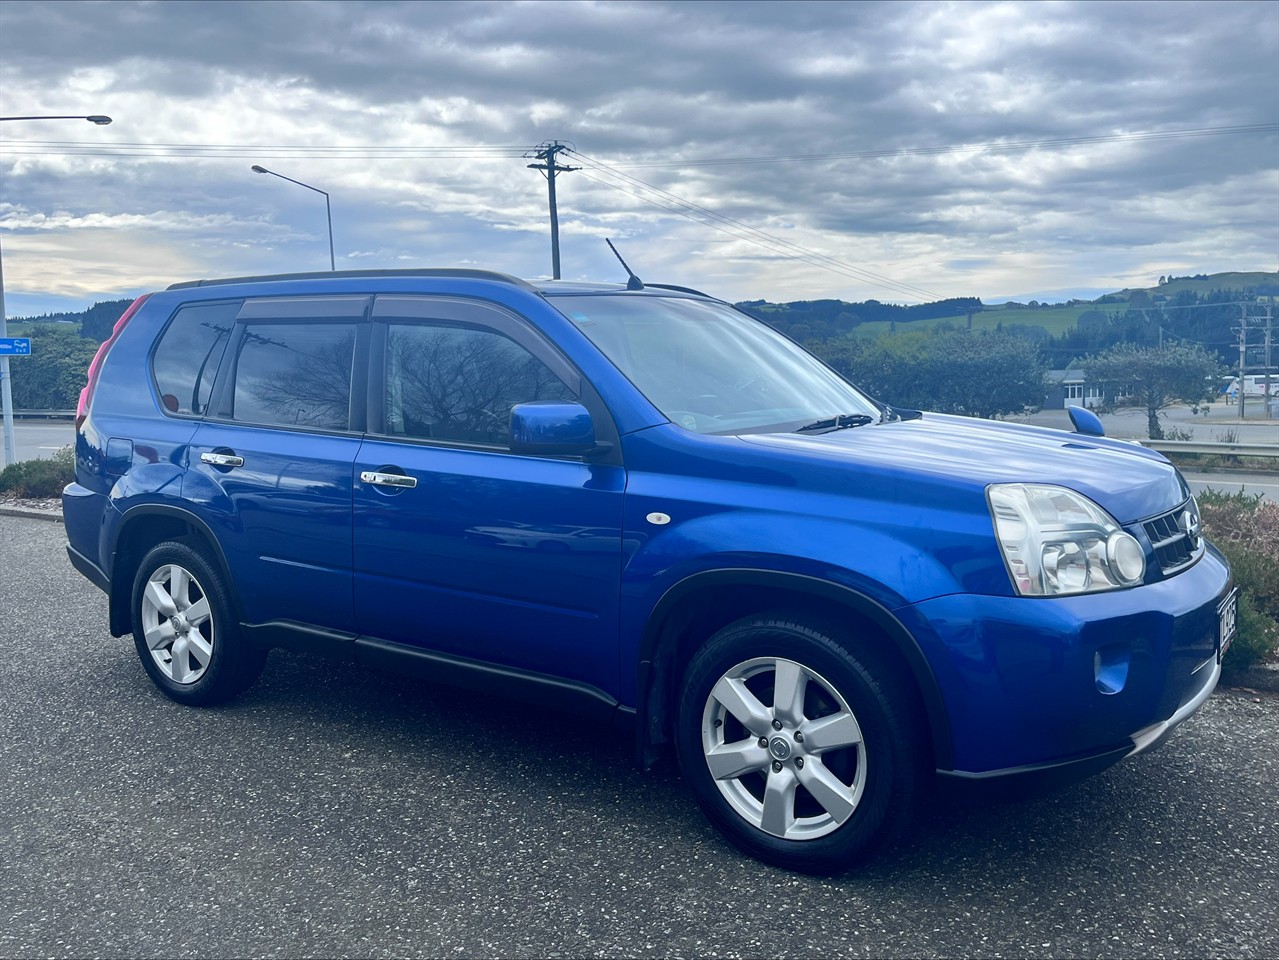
[222,459]
[379,479]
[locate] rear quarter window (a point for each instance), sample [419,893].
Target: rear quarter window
[187,355]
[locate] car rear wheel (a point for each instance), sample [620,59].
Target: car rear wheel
[185,632]
[802,750]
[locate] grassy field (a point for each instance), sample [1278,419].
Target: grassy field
[1218,281]
[1057,318]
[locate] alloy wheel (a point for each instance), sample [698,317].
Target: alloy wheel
[177,621]
[784,748]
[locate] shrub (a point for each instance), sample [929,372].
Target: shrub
[1257,639]
[1246,529]
[39,478]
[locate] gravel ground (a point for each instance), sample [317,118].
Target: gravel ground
[42,504]
[333,811]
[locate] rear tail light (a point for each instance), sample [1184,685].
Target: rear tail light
[95,368]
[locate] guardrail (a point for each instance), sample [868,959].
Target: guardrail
[44,414]
[1224,449]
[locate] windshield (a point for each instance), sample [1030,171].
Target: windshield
[712,369]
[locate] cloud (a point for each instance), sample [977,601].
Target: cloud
[413,117]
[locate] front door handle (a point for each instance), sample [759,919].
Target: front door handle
[379,479]
[222,459]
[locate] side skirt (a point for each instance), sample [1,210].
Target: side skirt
[401,659]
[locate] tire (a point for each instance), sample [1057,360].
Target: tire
[803,751]
[184,628]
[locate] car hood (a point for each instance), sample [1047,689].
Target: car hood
[1127,480]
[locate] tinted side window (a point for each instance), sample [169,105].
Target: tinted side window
[459,383]
[187,356]
[295,374]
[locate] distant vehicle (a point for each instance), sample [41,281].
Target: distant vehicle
[1255,385]
[638,502]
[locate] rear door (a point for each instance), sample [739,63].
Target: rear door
[478,551]
[271,465]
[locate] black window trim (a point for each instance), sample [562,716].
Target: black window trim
[401,308]
[297,310]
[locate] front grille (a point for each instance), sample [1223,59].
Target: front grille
[1175,537]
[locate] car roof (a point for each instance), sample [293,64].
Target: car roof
[540,286]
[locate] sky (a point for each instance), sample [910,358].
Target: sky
[898,151]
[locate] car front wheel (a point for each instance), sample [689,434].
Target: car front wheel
[803,750]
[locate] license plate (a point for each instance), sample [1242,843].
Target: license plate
[1227,622]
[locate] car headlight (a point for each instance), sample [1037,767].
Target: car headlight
[1057,542]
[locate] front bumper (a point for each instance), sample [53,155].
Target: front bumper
[1067,686]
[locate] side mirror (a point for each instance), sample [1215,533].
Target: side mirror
[552,428]
[1086,422]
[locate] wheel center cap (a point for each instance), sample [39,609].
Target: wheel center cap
[779,747]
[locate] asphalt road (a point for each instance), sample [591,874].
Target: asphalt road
[1266,485]
[337,812]
[41,439]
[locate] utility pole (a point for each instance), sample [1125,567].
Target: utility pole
[546,152]
[1243,349]
[6,387]
[1269,370]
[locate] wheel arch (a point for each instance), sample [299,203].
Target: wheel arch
[139,529]
[693,609]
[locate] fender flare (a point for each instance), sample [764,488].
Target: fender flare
[903,641]
[119,594]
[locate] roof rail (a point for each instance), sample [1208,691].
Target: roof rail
[461,273]
[671,286]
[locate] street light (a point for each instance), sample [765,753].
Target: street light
[327,209]
[6,390]
[97,118]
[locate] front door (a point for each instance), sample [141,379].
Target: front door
[477,551]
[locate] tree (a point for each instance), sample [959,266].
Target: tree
[52,377]
[986,374]
[97,321]
[886,367]
[1155,377]
[949,370]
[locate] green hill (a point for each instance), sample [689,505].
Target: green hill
[1206,283]
[818,319]
[800,318]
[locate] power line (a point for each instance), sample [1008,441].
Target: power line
[1198,306]
[751,234]
[991,147]
[242,151]
[375,152]
[672,203]
[1204,343]
[738,236]
[767,238]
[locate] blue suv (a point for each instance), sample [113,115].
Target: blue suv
[638,502]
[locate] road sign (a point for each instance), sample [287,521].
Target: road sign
[15,346]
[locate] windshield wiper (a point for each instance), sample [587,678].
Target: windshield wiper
[839,422]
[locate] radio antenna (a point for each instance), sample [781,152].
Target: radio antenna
[634,283]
